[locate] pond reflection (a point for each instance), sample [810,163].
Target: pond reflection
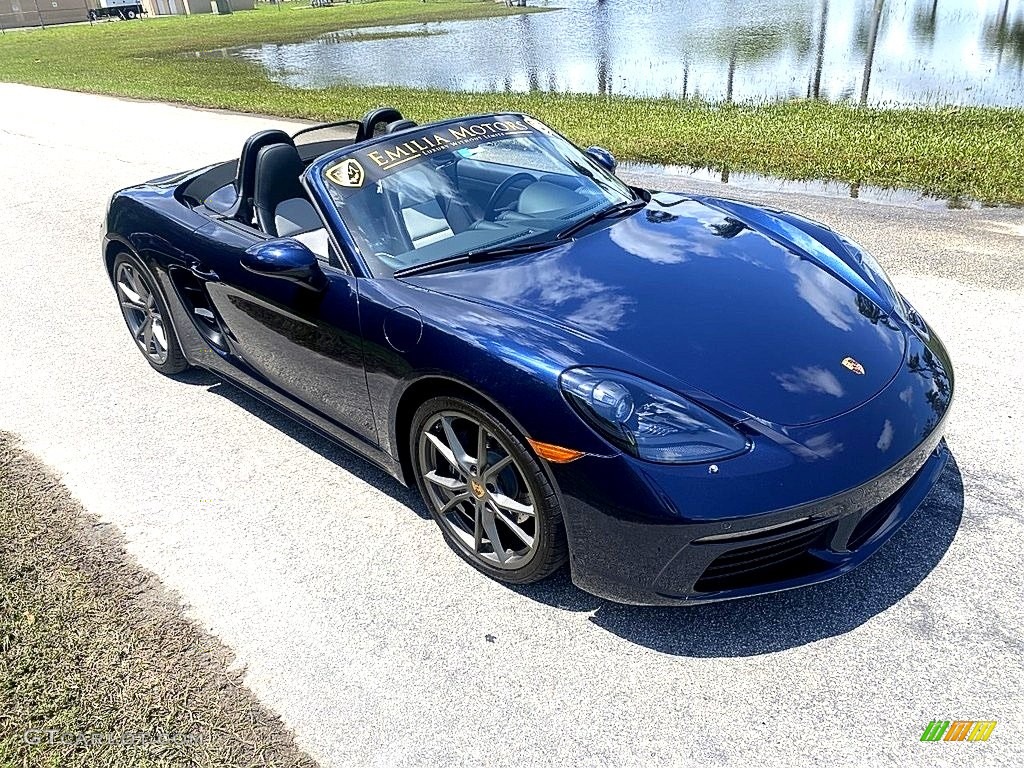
[868,51]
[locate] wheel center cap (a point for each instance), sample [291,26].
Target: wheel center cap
[478,488]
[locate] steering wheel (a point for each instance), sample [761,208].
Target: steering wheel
[501,189]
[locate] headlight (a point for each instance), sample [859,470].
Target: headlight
[648,421]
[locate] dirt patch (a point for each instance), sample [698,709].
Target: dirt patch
[99,666]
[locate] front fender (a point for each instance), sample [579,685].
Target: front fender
[412,335]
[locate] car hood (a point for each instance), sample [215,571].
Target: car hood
[727,299]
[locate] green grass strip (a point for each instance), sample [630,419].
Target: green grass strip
[954,152]
[99,665]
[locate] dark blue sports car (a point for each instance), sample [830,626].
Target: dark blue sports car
[686,398]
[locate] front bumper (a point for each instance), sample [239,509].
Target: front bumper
[650,564]
[806,505]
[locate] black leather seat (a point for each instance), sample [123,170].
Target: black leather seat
[278,170]
[245,176]
[282,206]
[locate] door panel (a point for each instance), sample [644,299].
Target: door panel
[304,342]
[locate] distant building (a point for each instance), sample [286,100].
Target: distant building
[36,13]
[43,13]
[176,7]
[185,7]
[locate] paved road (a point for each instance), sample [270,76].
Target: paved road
[373,641]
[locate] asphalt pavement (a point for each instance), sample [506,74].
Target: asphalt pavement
[370,638]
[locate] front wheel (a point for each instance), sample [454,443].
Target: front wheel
[490,497]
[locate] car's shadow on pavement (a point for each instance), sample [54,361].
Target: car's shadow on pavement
[354,465]
[784,620]
[733,628]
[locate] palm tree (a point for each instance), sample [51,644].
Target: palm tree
[814,90]
[876,19]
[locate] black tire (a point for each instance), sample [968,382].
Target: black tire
[174,361]
[549,550]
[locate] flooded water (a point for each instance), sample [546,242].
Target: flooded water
[879,52]
[656,176]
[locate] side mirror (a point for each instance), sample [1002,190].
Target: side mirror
[602,157]
[287,259]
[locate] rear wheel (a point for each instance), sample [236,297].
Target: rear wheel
[492,501]
[145,313]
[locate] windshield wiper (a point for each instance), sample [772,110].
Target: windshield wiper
[501,251]
[617,209]
[482,254]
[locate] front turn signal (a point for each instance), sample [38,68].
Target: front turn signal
[555,453]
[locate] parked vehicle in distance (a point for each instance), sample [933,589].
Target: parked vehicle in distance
[686,398]
[120,9]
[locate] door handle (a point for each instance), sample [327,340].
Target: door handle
[203,274]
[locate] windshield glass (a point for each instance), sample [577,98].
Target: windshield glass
[466,186]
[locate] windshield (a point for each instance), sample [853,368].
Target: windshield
[462,187]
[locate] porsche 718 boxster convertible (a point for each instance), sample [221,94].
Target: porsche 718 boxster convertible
[686,398]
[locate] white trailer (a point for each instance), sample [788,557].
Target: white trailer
[115,9]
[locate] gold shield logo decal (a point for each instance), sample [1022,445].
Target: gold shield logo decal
[347,173]
[477,488]
[852,365]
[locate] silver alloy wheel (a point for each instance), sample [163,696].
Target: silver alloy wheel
[141,312]
[482,500]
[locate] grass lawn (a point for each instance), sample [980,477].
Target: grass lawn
[99,666]
[975,153]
